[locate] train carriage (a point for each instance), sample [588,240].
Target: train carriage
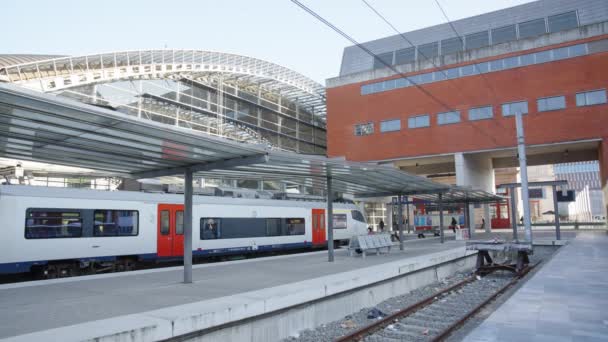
[60,232]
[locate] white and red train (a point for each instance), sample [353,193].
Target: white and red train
[60,232]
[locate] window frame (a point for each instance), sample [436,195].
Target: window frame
[428,117]
[364,124]
[451,122]
[60,210]
[480,107]
[550,97]
[591,91]
[512,102]
[390,130]
[105,236]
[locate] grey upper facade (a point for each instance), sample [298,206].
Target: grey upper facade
[510,24]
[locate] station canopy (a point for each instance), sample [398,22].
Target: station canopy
[46,128]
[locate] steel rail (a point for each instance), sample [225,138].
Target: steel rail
[359,334]
[445,333]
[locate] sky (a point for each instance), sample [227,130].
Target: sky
[274,30]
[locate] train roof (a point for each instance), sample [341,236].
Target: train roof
[56,192]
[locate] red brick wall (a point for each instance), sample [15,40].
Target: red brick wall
[347,107]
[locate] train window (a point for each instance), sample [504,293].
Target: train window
[357,216]
[179,222]
[245,227]
[50,224]
[116,223]
[339,221]
[164,222]
[295,226]
[273,227]
[210,228]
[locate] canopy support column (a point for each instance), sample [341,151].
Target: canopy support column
[330,221]
[558,234]
[523,170]
[441,217]
[400,222]
[407,208]
[467,216]
[513,214]
[188,226]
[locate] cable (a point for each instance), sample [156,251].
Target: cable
[392,68]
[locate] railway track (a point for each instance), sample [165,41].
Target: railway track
[434,318]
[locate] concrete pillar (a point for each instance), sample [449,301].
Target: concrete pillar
[188,193]
[476,171]
[400,221]
[603,161]
[330,221]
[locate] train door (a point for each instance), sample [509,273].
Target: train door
[318,226]
[170,241]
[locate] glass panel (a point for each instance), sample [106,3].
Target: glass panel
[402,83]
[480,113]
[179,222]
[591,98]
[390,125]
[405,55]
[448,118]
[453,72]
[48,224]
[551,103]
[560,53]
[527,59]
[386,57]
[439,75]
[339,221]
[483,67]
[357,216]
[496,65]
[210,228]
[543,56]
[564,21]
[511,62]
[115,223]
[504,34]
[451,45]
[514,107]
[577,50]
[532,28]
[428,50]
[468,70]
[477,40]
[426,78]
[164,222]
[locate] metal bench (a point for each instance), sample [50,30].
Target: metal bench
[364,243]
[485,264]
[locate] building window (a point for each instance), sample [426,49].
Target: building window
[451,45]
[590,98]
[382,59]
[477,40]
[532,28]
[364,129]
[448,118]
[504,34]
[551,103]
[429,50]
[419,121]
[390,125]
[509,109]
[481,113]
[405,55]
[564,21]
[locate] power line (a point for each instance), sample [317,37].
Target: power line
[362,47]
[391,67]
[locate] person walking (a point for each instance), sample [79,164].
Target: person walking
[381,225]
[454,223]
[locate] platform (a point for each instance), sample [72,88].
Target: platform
[565,301]
[154,304]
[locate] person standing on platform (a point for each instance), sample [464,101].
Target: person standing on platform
[453,225]
[483,223]
[381,225]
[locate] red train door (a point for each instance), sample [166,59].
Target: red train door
[318,226]
[170,231]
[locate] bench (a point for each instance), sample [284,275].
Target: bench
[364,243]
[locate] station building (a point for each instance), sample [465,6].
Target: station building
[226,95]
[450,108]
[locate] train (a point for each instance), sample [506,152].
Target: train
[59,232]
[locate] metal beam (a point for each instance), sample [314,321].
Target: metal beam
[558,234]
[543,183]
[400,223]
[513,214]
[216,165]
[188,191]
[330,221]
[441,218]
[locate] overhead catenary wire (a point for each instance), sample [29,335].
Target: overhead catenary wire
[389,66]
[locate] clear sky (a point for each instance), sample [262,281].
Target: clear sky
[274,30]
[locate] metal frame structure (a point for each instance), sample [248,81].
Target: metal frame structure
[228,95]
[553,185]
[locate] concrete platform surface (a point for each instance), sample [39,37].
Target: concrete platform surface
[566,300]
[157,302]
